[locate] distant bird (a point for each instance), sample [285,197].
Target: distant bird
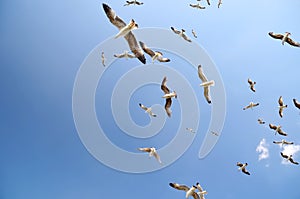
[281,106]
[214,133]
[147,110]
[152,152]
[205,83]
[242,167]
[289,158]
[251,105]
[260,121]
[188,191]
[251,84]
[125,54]
[168,96]
[130,38]
[194,33]
[181,34]
[201,192]
[134,2]
[284,38]
[219,3]
[103,59]
[277,129]
[190,130]
[283,142]
[296,103]
[154,55]
[198,6]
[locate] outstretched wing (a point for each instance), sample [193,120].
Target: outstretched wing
[146,49]
[272,126]
[207,95]
[143,107]
[276,36]
[283,155]
[201,74]
[145,149]
[186,38]
[292,43]
[163,86]
[167,106]
[296,103]
[174,30]
[179,187]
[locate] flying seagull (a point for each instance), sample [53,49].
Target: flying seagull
[194,33]
[219,3]
[284,38]
[152,152]
[201,192]
[147,110]
[251,105]
[168,96]
[103,58]
[181,34]
[190,130]
[296,103]
[281,106]
[134,2]
[214,133]
[205,83]
[277,129]
[154,55]
[242,167]
[198,6]
[251,84]
[289,158]
[283,142]
[130,38]
[260,121]
[125,54]
[189,191]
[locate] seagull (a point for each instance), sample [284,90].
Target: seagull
[243,167]
[168,96]
[130,38]
[281,106]
[277,129]
[219,3]
[260,121]
[284,38]
[198,6]
[147,110]
[181,34]
[289,158]
[189,191]
[251,105]
[125,54]
[152,152]
[134,2]
[283,142]
[296,103]
[205,83]
[251,84]
[103,58]
[215,133]
[190,130]
[194,33]
[154,55]
[201,192]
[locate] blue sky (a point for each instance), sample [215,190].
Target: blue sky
[43,45]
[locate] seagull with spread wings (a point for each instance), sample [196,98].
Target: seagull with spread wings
[190,130]
[147,110]
[205,84]
[130,38]
[251,84]
[281,106]
[277,129]
[194,33]
[168,96]
[134,2]
[260,121]
[125,55]
[103,59]
[283,142]
[198,6]
[152,152]
[242,167]
[155,55]
[284,38]
[289,158]
[251,105]
[188,191]
[181,33]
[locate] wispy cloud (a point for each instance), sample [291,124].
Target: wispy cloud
[262,149]
[290,150]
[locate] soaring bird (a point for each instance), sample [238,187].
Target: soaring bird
[190,130]
[125,54]
[154,55]
[188,191]
[289,158]
[168,96]
[219,3]
[283,142]
[214,133]
[251,105]
[152,152]
[277,129]
[194,33]
[205,83]
[251,84]
[181,34]
[198,6]
[260,121]
[242,167]
[103,59]
[130,38]
[296,103]
[147,110]
[281,106]
[284,38]
[134,2]
[201,192]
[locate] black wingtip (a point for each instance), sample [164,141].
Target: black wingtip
[142,59]
[171,184]
[105,7]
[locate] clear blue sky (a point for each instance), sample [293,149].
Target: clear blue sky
[43,44]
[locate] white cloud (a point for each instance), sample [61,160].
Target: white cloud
[262,149]
[290,150]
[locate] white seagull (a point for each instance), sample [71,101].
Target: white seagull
[154,55]
[205,83]
[281,106]
[134,2]
[130,38]
[125,54]
[201,192]
[283,142]
[289,158]
[188,191]
[277,129]
[214,133]
[147,110]
[168,96]
[284,38]
[251,84]
[103,58]
[198,6]
[194,33]
[181,34]
[251,105]
[260,121]
[190,130]
[152,152]
[242,167]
